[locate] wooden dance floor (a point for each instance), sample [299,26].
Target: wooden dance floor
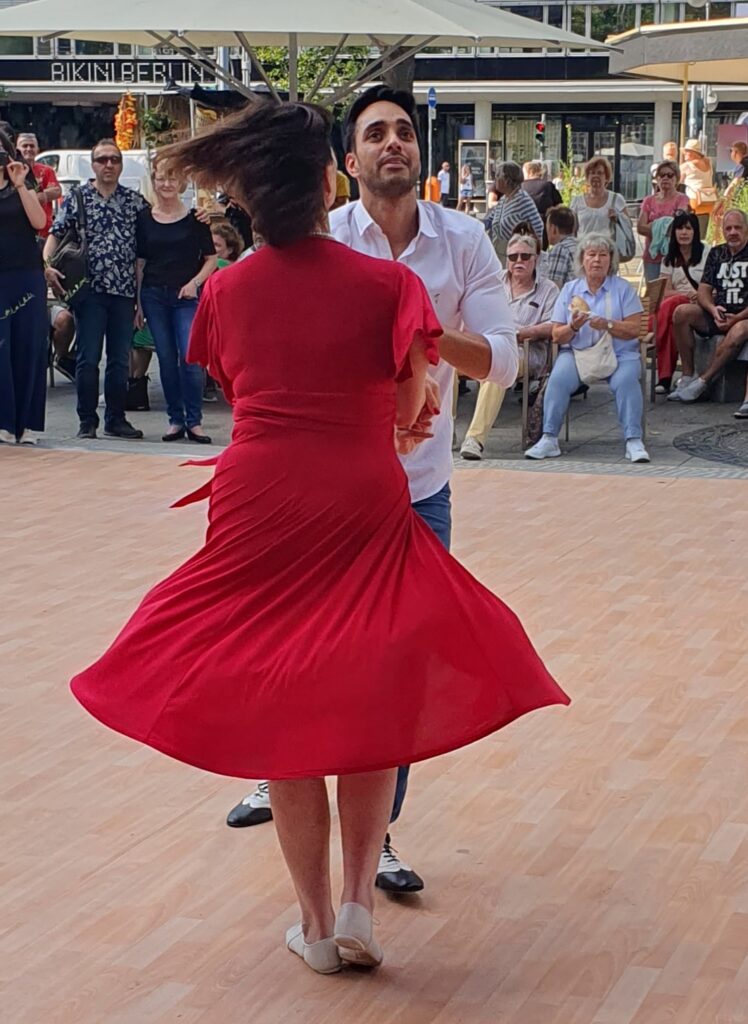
[586,865]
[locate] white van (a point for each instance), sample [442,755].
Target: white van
[73,167]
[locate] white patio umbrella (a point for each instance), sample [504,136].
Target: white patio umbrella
[693,52]
[396,28]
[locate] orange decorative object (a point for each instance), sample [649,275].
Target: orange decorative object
[126,122]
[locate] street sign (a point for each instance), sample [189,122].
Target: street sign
[432,98]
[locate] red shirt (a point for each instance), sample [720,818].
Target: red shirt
[46,178]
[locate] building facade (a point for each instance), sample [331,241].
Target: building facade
[67,90]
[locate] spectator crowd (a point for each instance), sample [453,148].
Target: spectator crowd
[114,272]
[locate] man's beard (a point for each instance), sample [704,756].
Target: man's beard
[394,188]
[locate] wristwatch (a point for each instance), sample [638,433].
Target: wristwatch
[609,325]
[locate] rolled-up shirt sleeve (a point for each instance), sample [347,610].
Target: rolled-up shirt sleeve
[485,311]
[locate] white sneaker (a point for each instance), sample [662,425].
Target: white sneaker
[635,450]
[471,449]
[546,448]
[690,392]
[683,382]
[6,437]
[30,437]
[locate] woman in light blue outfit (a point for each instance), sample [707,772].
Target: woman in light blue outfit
[614,307]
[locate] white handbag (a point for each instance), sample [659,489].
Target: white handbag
[599,361]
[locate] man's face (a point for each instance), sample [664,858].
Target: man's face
[669,151]
[29,149]
[385,159]
[735,231]
[107,165]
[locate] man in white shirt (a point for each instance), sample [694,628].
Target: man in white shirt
[455,260]
[444,178]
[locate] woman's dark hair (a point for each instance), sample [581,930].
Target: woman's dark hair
[231,237]
[674,257]
[7,144]
[272,158]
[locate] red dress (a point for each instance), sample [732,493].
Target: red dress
[322,629]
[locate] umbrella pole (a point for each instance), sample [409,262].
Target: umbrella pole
[293,67]
[684,107]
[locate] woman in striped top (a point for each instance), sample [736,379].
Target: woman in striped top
[514,206]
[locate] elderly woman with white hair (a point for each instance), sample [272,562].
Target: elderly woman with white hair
[596,324]
[531,299]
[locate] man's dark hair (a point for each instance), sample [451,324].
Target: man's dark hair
[562,218]
[379,94]
[272,157]
[104,142]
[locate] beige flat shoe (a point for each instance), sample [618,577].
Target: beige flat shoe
[354,936]
[322,956]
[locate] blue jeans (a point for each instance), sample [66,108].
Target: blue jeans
[100,315]
[564,381]
[23,350]
[170,319]
[436,512]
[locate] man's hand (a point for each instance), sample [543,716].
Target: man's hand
[719,313]
[139,321]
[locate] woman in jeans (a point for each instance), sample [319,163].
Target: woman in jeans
[176,256]
[23,305]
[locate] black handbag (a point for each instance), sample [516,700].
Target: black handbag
[137,394]
[71,256]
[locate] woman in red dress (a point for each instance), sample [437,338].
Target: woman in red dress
[320,601]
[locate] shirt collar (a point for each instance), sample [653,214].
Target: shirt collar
[365,221]
[604,287]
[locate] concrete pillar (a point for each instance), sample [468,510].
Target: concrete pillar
[483,119]
[663,126]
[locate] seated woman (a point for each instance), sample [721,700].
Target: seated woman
[598,301]
[682,269]
[531,299]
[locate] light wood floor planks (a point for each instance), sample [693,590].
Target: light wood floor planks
[585,866]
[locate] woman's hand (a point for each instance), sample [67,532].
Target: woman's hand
[17,172]
[54,279]
[613,215]
[139,318]
[693,297]
[578,320]
[188,291]
[598,323]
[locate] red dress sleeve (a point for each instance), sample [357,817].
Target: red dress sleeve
[414,317]
[204,347]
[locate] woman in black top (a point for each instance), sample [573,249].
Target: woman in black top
[23,305]
[175,256]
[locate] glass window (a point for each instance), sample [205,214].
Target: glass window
[556,15]
[124,49]
[720,11]
[637,155]
[87,48]
[609,19]
[647,14]
[16,46]
[579,20]
[669,13]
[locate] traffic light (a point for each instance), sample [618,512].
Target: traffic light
[540,133]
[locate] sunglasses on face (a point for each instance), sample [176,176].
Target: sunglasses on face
[524,256]
[107,159]
[666,174]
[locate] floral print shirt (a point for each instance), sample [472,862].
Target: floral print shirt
[110,236]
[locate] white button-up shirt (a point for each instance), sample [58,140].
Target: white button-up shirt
[454,258]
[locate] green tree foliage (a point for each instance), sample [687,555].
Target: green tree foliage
[312,59]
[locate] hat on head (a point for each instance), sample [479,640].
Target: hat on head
[694,146]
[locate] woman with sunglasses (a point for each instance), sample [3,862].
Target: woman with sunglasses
[682,268]
[664,203]
[531,299]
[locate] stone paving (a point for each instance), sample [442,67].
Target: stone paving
[595,443]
